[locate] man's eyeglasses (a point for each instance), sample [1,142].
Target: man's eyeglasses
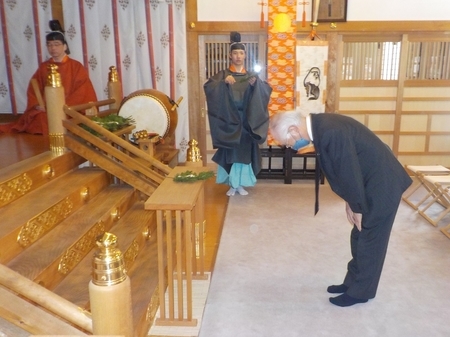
[54,44]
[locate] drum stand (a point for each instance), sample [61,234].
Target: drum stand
[163,153]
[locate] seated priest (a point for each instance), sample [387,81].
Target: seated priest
[78,87]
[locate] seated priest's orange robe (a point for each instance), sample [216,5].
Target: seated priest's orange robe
[78,89]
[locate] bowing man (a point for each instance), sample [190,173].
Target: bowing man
[363,171]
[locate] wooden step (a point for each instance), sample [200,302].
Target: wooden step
[32,216]
[144,287]
[132,232]
[137,241]
[70,241]
[26,176]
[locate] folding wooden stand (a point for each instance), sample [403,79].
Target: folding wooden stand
[419,172]
[439,187]
[446,231]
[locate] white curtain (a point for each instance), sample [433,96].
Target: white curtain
[144,39]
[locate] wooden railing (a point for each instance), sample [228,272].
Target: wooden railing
[180,221]
[112,152]
[35,293]
[179,208]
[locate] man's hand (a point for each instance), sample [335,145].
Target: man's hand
[230,79]
[353,218]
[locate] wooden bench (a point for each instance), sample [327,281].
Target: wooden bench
[287,171]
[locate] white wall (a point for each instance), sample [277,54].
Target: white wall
[358,10]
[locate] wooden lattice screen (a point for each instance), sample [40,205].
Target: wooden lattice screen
[428,60]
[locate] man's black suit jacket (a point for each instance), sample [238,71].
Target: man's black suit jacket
[359,167]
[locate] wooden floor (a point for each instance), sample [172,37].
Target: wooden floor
[20,146]
[15,147]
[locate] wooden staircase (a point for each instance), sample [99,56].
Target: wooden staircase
[52,210]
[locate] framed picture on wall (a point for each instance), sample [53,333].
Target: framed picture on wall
[330,10]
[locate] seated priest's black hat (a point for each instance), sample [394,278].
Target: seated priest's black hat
[57,34]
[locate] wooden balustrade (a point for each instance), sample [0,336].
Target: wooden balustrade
[180,227]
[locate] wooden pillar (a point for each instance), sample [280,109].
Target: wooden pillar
[55,99]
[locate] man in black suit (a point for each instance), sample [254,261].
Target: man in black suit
[363,171]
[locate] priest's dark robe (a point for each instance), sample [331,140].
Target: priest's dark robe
[238,119]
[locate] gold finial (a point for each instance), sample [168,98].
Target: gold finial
[53,77]
[113,75]
[193,152]
[108,264]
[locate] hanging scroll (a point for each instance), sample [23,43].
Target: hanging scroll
[311,75]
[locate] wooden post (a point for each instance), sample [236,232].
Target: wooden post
[54,96]
[110,290]
[114,88]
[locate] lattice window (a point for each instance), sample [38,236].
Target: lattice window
[371,60]
[217,56]
[428,60]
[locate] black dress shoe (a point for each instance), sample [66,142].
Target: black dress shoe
[345,300]
[340,289]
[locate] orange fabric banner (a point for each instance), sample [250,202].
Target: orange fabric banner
[281,55]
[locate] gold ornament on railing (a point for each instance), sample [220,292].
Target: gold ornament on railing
[108,263]
[53,77]
[193,152]
[113,75]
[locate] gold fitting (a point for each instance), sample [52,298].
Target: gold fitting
[314,24]
[193,152]
[333,25]
[115,214]
[57,143]
[48,171]
[113,75]
[147,233]
[53,77]
[108,263]
[84,193]
[192,25]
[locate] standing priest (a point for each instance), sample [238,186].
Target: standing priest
[239,119]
